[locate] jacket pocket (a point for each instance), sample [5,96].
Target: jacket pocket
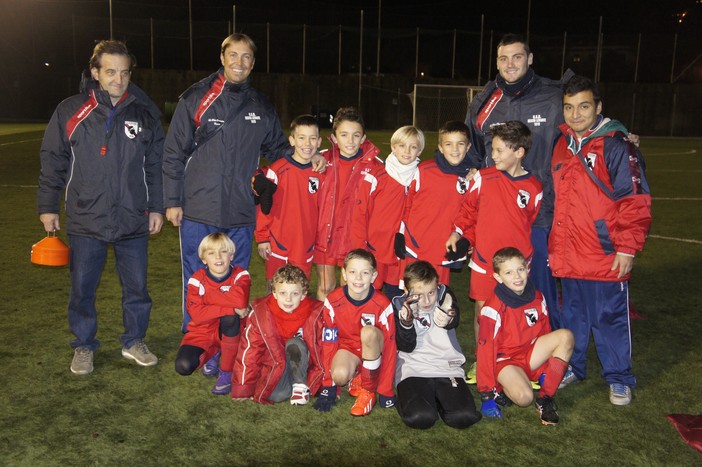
[603,237]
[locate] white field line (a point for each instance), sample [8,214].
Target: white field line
[21,142]
[683,153]
[676,239]
[676,199]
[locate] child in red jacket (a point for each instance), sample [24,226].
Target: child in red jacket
[280,350]
[218,297]
[349,159]
[381,201]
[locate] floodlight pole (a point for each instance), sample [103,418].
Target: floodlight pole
[190,29]
[360,63]
[377,65]
[111,36]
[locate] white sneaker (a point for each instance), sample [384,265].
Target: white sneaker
[619,394]
[140,353]
[300,394]
[82,363]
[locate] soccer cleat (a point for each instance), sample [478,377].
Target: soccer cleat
[82,363]
[536,385]
[140,353]
[300,394]
[364,403]
[471,376]
[619,394]
[211,366]
[568,378]
[547,410]
[223,385]
[355,386]
[501,399]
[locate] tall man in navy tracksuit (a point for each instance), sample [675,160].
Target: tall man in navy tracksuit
[220,129]
[104,146]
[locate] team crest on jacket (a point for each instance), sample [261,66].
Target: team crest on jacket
[523,197]
[461,185]
[131,129]
[531,315]
[367,319]
[590,159]
[313,184]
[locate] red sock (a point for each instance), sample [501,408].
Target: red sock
[230,347]
[369,378]
[554,374]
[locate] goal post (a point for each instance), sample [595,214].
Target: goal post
[435,104]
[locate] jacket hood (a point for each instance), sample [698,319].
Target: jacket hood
[603,127]
[87,84]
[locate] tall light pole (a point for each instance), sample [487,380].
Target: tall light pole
[377,65]
[111,36]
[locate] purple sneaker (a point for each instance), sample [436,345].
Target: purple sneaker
[223,386]
[211,366]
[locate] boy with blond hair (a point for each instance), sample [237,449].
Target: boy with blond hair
[295,203]
[381,201]
[218,297]
[280,350]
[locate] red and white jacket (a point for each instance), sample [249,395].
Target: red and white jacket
[260,362]
[291,225]
[335,209]
[589,225]
[343,320]
[377,215]
[498,212]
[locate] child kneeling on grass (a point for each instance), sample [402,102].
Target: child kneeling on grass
[218,297]
[358,336]
[516,344]
[430,378]
[280,349]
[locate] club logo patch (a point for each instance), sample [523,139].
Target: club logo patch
[523,197]
[531,315]
[367,319]
[313,184]
[461,185]
[590,159]
[252,117]
[131,129]
[330,335]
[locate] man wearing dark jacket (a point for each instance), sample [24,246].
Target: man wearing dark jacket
[220,129]
[104,147]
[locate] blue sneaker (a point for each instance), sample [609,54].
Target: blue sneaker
[223,386]
[211,366]
[619,394]
[568,378]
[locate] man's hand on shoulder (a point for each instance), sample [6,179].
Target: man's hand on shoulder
[319,163]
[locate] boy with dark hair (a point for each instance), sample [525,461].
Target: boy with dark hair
[516,344]
[358,336]
[601,219]
[218,297]
[500,207]
[433,201]
[295,202]
[279,355]
[429,377]
[348,160]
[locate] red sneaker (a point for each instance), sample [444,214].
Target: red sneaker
[364,403]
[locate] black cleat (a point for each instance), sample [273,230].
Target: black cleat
[547,409]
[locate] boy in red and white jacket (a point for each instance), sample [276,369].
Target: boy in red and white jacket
[279,355]
[358,336]
[218,297]
[295,203]
[350,158]
[381,201]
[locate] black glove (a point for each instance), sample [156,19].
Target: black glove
[263,189]
[326,399]
[462,247]
[400,245]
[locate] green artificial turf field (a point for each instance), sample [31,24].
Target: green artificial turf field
[123,414]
